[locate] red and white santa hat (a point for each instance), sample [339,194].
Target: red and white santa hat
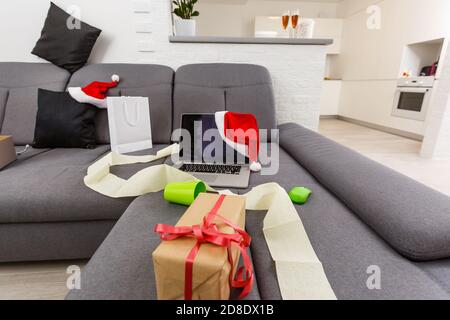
[95,92]
[240,131]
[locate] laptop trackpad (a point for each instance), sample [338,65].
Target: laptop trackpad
[206,178]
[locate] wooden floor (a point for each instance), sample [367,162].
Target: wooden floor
[48,280]
[396,152]
[35,281]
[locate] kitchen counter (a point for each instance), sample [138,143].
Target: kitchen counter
[240,40]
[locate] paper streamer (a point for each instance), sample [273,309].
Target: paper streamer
[299,271]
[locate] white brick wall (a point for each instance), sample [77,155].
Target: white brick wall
[297,71]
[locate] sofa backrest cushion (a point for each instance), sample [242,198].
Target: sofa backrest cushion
[207,88]
[146,80]
[19,83]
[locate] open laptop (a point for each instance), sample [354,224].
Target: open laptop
[222,167]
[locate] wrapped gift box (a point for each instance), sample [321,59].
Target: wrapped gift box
[7,151]
[211,266]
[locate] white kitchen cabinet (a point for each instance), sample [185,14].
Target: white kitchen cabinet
[329,98]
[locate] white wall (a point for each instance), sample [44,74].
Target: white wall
[370,61]
[237,18]
[297,71]
[437,134]
[347,8]
[21,22]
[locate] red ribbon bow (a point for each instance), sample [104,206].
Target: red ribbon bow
[208,232]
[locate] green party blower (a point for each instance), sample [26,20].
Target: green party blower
[300,195]
[183,192]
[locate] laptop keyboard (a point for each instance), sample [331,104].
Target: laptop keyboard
[211,168]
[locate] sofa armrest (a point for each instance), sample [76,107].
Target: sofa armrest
[412,218]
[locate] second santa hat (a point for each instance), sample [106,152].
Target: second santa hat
[95,92]
[240,131]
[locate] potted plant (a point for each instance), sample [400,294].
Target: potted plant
[185,25]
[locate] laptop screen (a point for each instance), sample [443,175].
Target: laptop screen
[205,144]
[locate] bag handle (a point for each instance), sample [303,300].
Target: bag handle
[133,122]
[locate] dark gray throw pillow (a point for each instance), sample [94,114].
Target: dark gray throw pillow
[62,122]
[68,48]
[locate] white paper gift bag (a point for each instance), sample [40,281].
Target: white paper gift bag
[129,124]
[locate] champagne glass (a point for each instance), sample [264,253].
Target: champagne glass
[294,20]
[285,20]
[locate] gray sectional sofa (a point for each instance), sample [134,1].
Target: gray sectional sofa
[361,214]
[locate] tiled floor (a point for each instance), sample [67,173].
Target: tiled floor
[48,280]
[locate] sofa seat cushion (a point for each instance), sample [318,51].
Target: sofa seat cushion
[48,187]
[30,153]
[122,268]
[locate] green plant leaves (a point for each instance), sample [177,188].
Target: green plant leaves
[185,9]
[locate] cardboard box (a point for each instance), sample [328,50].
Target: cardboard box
[7,151]
[211,269]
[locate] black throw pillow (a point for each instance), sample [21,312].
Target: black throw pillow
[63,122]
[68,48]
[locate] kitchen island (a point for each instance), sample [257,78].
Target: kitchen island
[297,67]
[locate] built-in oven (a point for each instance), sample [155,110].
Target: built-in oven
[413,97]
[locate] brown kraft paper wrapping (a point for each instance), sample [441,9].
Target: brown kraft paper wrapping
[211,269]
[7,151]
